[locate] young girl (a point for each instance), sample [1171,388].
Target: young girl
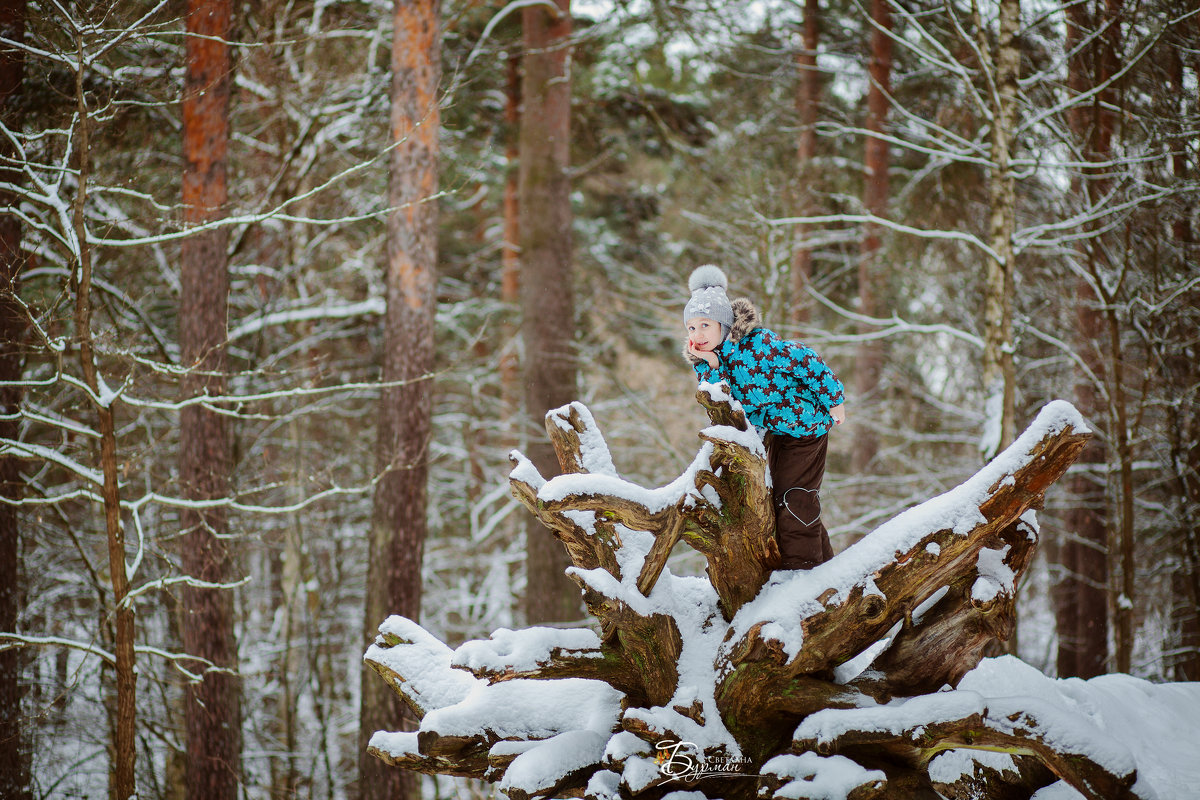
[788,394]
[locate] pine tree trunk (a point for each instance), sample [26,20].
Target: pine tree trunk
[14,752]
[869,356]
[1083,620]
[808,98]
[1183,422]
[1087,556]
[1080,524]
[547,295]
[1104,127]
[398,525]
[213,706]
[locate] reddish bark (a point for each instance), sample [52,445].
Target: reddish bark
[548,304]
[869,357]
[14,753]
[1081,600]
[398,524]
[213,706]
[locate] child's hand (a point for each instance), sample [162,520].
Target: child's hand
[703,355]
[838,413]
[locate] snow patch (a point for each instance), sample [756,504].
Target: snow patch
[529,709]
[604,785]
[951,766]
[541,767]
[423,662]
[523,650]
[396,745]
[813,777]
[926,605]
[594,455]
[655,500]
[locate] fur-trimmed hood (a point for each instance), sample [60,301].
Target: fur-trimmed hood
[745,319]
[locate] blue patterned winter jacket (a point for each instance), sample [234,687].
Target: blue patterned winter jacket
[783,386]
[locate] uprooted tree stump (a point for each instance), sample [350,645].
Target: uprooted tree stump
[752,682]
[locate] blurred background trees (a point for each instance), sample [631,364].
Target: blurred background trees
[844,162]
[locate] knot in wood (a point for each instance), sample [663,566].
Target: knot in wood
[873,608]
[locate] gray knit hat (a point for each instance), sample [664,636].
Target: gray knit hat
[707,284]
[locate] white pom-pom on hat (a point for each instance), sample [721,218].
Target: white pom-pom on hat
[705,276]
[708,297]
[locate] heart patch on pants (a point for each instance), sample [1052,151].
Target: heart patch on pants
[815,501]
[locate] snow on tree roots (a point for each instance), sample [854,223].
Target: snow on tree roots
[836,682]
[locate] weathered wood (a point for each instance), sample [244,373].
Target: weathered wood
[1027,776]
[719,408]
[566,426]
[606,664]
[650,645]
[1016,731]
[941,584]
[949,640]
[587,551]
[744,550]
[474,767]
[737,537]
[846,626]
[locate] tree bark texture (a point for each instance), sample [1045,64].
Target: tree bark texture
[398,525]
[213,705]
[1184,418]
[1087,554]
[871,279]
[999,376]
[938,595]
[808,98]
[1104,131]
[1184,437]
[14,750]
[1081,598]
[547,292]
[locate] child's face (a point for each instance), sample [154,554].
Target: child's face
[703,333]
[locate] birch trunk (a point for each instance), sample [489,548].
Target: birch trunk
[999,377]
[869,356]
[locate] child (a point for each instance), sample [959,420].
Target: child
[788,394]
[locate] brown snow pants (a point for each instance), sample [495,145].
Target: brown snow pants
[797,466]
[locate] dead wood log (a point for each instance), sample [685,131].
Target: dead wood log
[731,663]
[940,544]
[1015,726]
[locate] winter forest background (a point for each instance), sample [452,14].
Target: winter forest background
[284,282]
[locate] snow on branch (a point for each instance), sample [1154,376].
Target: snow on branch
[844,681]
